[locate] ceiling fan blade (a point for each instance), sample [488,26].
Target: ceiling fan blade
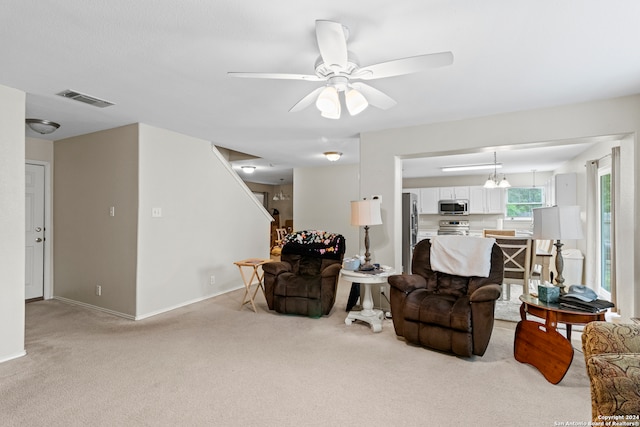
[307,100]
[403,66]
[332,43]
[374,96]
[281,76]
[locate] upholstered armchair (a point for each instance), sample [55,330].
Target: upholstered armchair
[444,311]
[305,281]
[612,356]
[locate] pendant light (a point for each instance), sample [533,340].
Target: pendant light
[493,181]
[280,195]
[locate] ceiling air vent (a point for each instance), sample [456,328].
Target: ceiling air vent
[87,99]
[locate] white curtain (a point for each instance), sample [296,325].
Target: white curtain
[615,214]
[592,223]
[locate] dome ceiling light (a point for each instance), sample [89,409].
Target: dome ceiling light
[333,156]
[41,126]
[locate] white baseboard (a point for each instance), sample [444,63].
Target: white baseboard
[94,307]
[183,304]
[13,356]
[146,315]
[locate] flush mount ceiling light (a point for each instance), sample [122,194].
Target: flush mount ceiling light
[493,181]
[332,156]
[43,127]
[248,169]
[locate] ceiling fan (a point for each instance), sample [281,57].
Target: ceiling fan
[339,68]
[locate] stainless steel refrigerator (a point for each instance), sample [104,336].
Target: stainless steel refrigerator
[409,229]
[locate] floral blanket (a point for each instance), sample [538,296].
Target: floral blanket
[314,243]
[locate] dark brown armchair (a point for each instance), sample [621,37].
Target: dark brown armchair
[442,311]
[305,281]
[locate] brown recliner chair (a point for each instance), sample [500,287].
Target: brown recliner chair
[442,311]
[305,281]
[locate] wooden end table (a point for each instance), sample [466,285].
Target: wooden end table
[255,278]
[540,344]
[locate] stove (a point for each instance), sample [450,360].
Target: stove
[453,227]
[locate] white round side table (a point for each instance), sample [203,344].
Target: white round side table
[368,314]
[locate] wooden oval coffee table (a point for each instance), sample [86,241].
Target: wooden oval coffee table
[540,344]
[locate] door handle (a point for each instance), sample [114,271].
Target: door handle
[39,239]
[38,229]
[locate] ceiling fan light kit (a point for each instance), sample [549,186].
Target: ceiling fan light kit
[356,102]
[338,68]
[328,103]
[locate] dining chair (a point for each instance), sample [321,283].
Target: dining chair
[518,261]
[281,232]
[487,232]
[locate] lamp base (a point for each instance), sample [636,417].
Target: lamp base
[559,266]
[367,267]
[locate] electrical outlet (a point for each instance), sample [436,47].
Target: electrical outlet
[156,212]
[98,290]
[212,280]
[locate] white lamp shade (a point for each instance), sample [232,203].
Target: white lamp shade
[328,102]
[332,114]
[356,102]
[504,183]
[490,183]
[365,212]
[557,223]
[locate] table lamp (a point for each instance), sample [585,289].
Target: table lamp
[557,223]
[366,212]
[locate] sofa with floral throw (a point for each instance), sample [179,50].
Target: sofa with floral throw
[612,356]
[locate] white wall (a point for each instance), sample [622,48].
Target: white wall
[209,220]
[380,154]
[12,222]
[577,166]
[321,201]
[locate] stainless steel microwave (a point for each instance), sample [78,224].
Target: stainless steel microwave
[453,207]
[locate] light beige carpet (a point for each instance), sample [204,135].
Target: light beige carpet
[509,310]
[214,364]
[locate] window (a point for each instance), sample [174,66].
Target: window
[520,201]
[604,235]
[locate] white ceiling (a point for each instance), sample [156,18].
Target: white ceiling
[165,63]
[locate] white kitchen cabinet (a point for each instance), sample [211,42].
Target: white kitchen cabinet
[452,193]
[486,200]
[428,202]
[476,200]
[494,199]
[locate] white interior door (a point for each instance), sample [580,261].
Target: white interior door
[34,228]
